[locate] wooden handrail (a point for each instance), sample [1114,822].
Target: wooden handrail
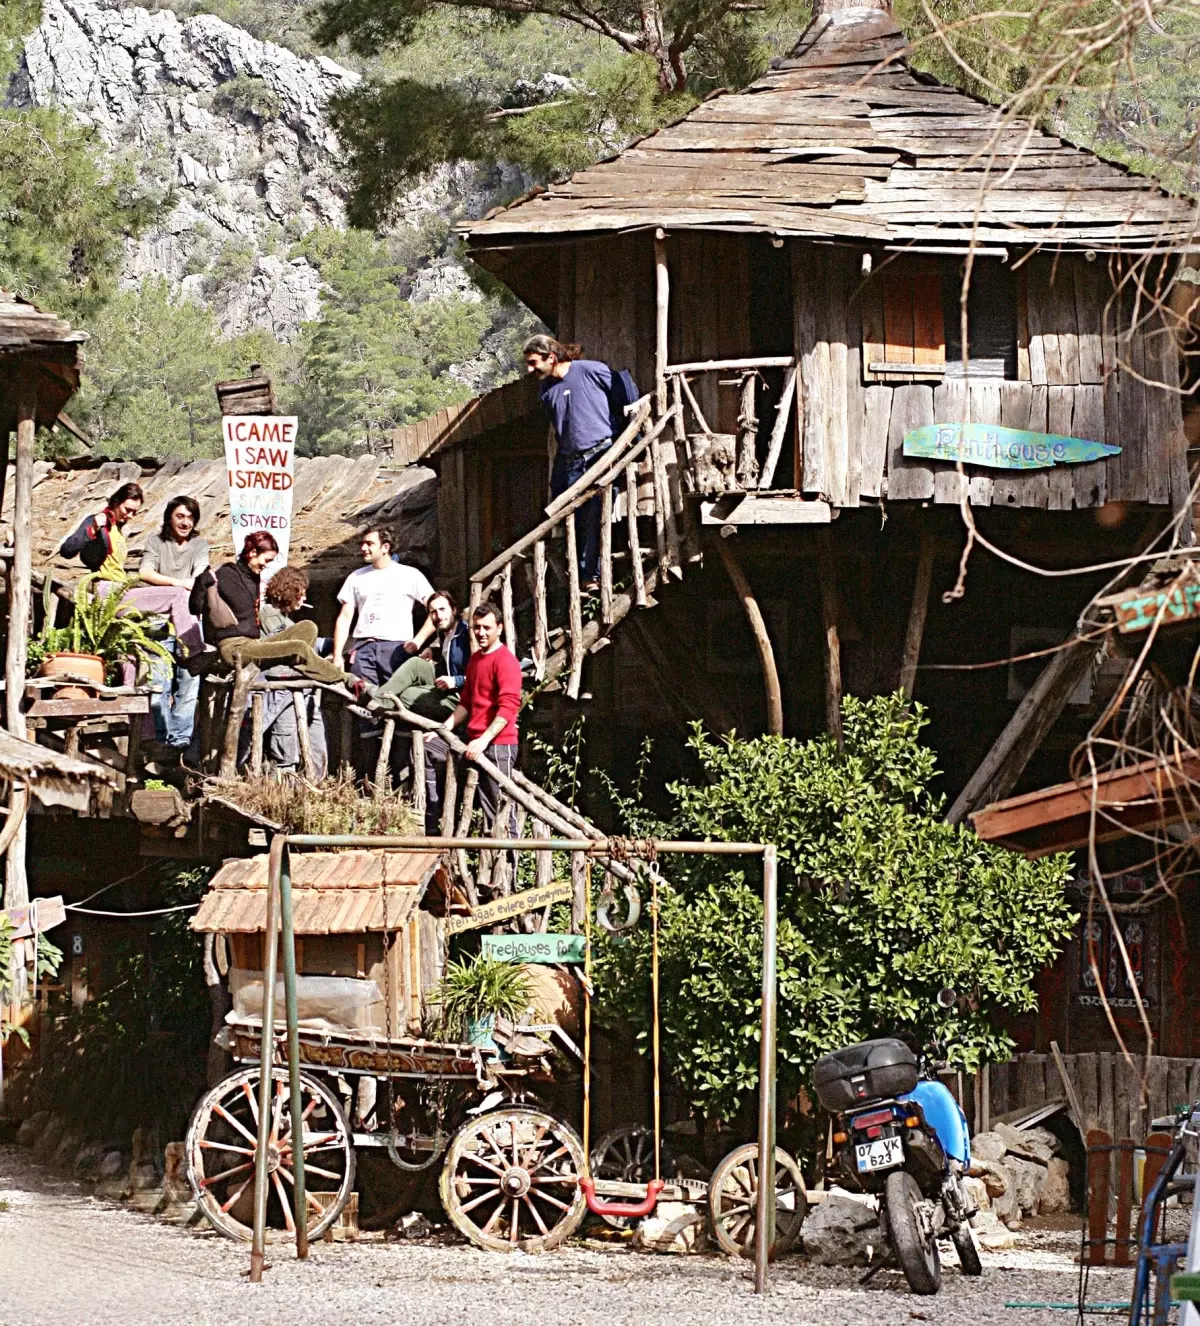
[483,576]
[732,365]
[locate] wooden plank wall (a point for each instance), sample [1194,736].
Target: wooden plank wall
[1109,1090]
[1085,371]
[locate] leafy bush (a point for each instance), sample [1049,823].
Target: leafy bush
[880,904]
[479,988]
[102,624]
[244,94]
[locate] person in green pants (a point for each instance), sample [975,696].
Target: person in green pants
[430,681]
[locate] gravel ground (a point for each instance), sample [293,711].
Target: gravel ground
[67,1257]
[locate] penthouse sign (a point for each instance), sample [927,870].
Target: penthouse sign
[1002,448]
[260,455]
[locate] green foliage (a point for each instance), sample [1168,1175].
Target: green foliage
[102,624]
[375,359]
[479,988]
[66,208]
[47,960]
[148,389]
[18,18]
[243,94]
[135,1054]
[880,905]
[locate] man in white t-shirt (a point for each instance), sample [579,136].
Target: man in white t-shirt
[377,611]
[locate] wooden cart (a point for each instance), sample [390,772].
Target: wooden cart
[369,921]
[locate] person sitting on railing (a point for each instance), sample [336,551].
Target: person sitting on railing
[429,683]
[586,402]
[100,542]
[491,698]
[283,597]
[227,599]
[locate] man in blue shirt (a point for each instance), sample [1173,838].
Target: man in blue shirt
[586,402]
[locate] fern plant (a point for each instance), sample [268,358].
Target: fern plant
[101,624]
[477,990]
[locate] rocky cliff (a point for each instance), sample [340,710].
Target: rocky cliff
[234,130]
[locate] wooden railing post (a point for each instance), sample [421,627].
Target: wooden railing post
[243,675]
[256,733]
[506,607]
[346,743]
[579,889]
[418,776]
[541,631]
[606,563]
[575,607]
[382,771]
[303,736]
[635,546]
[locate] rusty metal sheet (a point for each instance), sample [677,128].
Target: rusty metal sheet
[314,911]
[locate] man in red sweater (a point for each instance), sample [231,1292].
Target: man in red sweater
[491,697]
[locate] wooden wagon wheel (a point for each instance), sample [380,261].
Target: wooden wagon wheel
[627,1155]
[511,1180]
[222,1142]
[733,1201]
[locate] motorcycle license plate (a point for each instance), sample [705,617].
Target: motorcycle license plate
[886,1153]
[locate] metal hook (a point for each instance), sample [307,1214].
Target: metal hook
[607,901]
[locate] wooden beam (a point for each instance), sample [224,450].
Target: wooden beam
[748,509]
[762,641]
[916,616]
[20,602]
[1025,731]
[662,297]
[831,654]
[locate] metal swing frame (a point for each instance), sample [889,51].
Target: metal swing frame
[279,917]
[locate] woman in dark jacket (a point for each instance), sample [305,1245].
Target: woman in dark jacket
[100,542]
[231,615]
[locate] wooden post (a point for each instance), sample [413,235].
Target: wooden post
[543,862]
[916,616]
[20,602]
[1098,1159]
[208,713]
[418,776]
[302,735]
[256,733]
[1037,713]
[762,640]
[506,607]
[1124,1203]
[576,611]
[243,675]
[747,461]
[382,779]
[347,741]
[832,652]
[541,632]
[662,299]
[606,567]
[470,784]
[635,547]
[779,430]
[579,895]
[449,797]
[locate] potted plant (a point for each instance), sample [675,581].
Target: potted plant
[472,994]
[104,632]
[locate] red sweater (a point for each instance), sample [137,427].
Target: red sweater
[492,690]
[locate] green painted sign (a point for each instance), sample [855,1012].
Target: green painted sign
[534,948]
[1002,448]
[1139,611]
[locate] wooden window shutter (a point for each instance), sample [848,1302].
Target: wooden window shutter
[904,336]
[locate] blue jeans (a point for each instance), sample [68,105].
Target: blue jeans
[568,470]
[375,661]
[173,702]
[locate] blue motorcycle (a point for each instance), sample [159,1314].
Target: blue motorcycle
[901,1135]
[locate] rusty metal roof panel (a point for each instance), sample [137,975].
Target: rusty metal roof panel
[331,870]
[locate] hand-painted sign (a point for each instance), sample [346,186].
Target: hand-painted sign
[516,904]
[260,451]
[1002,448]
[1139,612]
[534,948]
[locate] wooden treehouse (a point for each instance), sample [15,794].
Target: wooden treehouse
[782,271]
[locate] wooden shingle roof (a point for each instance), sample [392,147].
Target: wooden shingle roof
[843,140]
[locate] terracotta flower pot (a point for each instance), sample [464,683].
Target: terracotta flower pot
[90,667]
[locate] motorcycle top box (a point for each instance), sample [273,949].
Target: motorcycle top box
[873,1070]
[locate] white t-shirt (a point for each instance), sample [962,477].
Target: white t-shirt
[383,600]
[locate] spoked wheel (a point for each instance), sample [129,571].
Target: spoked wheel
[912,1239]
[511,1180]
[222,1143]
[627,1155]
[733,1201]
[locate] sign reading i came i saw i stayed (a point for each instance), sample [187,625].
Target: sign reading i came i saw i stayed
[999,448]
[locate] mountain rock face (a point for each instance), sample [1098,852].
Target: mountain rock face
[234,130]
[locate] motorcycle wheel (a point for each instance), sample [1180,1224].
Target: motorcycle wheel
[916,1251]
[968,1253]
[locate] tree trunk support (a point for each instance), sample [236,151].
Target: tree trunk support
[916,616]
[831,654]
[20,601]
[762,641]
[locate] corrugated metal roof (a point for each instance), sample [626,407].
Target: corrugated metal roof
[332,892]
[845,140]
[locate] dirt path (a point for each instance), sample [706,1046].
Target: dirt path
[67,1257]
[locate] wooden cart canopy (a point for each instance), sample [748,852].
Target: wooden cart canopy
[55,780]
[844,141]
[333,893]
[1059,818]
[335,496]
